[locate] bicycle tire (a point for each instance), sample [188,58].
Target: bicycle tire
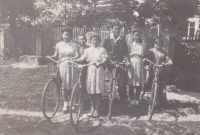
[76,103]
[54,94]
[152,100]
[111,100]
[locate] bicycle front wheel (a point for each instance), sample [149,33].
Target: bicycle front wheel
[76,103]
[111,99]
[50,98]
[152,100]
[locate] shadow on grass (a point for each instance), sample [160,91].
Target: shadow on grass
[87,125]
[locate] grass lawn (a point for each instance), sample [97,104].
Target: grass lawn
[21,93]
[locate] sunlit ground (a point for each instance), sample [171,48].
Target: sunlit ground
[20,109]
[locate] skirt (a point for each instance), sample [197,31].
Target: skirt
[95,80]
[68,74]
[136,71]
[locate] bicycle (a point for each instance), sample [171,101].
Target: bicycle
[114,85]
[52,91]
[154,89]
[77,97]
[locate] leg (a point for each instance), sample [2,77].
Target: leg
[98,101]
[131,92]
[65,97]
[132,95]
[93,104]
[122,81]
[138,91]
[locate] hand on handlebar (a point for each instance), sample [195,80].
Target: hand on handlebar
[47,57]
[127,64]
[147,68]
[97,64]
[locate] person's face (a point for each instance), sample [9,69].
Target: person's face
[66,36]
[95,41]
[82,40]
[136,37]
[116,30]
[158,44]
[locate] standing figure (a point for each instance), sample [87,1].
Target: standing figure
[95,82]
[158,56]
[117,49]
[81,48]
[136,69]
[66,50]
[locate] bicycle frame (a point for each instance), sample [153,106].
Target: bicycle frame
[154,90]
[114,71]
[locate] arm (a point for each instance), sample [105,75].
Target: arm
[82,58]
[126,53]
[76,52]
[168,61]
[104,56]
[56,53]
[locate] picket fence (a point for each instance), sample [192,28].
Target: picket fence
[27,38]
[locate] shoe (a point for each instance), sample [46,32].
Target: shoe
[96,115]
[90,114]
[65,109]
[137,102]
[132,102]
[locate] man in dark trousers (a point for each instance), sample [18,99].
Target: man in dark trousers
[117,50]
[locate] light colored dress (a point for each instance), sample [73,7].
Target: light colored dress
[68,73]
[95,82]
[136,70]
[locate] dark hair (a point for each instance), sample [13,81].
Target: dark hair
[82,34]
[159,39]
[136,30]
[96,37]
[135,25]
[115,24]
[67,29]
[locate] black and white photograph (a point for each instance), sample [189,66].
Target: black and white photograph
[99,67]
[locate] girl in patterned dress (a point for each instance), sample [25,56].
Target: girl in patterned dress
[95,82]
[136,69]
[69,74]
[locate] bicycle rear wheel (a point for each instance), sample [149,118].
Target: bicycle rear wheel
[76,103]
[152,100]
[50,98]
[111,99]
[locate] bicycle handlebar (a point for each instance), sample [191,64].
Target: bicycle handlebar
[58,62]
[155,65]
[117,63]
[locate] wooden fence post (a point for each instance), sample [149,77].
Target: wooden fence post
[38,42]
[1,44]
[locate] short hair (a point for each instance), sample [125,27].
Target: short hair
[82,34]
[136,30]
[135,25]
[96,37]
[116,24]
[67,29]
[159,39]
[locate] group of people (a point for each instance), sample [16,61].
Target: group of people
[114,48]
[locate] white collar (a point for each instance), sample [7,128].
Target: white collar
[112,37]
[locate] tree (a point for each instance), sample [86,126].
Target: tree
[16,13]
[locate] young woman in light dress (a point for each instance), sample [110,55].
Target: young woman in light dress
[136,69]
[66,50]
[95,82]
